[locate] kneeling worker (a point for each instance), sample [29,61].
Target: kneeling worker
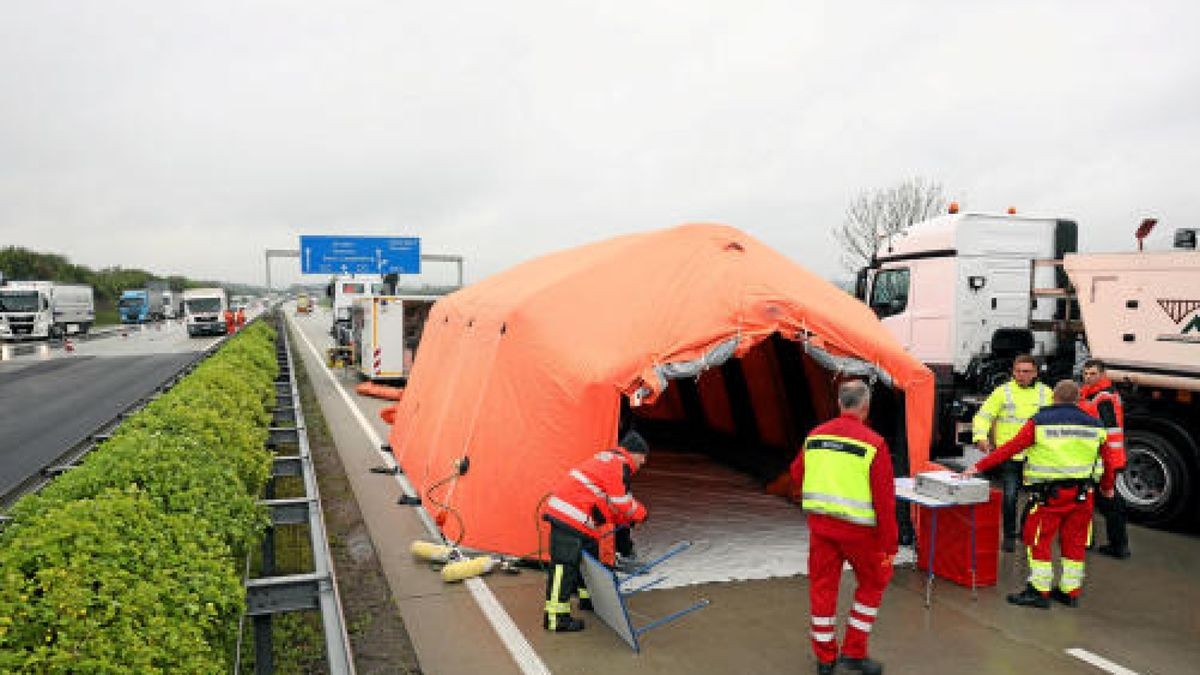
[1064,461]
[592,495]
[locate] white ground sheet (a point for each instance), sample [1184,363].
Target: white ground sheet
[738,532]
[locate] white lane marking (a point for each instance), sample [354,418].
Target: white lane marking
[1100,662]
[514,641]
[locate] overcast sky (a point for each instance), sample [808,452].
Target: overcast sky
[187,137]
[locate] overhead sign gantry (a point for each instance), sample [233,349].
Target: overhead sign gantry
[324,254]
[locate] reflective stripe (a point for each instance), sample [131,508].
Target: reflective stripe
[865,610]
[985,415]
[822,637]
[838,500]
[587,483]
[858,520]
[1012,419]
[1083,471]
[606,456]
[1041,394]
[570,510]
[1113,430]
[824,621]
[624,499]
[861,625]
[584,594]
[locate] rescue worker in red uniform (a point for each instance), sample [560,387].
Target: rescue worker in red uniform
[848,492]
[1100,399]
[592,497]
[240,318]
[1064,460]
[229,322]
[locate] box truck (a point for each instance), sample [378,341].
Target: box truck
[204,311]
[140,305]
[31,310]
[966,292]
[386,331]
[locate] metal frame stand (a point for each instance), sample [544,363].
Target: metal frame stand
[606,585]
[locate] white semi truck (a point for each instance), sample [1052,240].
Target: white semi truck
[344,291]
[204,311]
[965,292]
[36,310]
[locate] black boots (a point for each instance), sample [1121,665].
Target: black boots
[561,623]
[1114,552]
[1059,595]
[864,665]
[1009,545]
[586,604]
[826,668]
[1030,597]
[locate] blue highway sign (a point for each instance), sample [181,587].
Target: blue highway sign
[321,254]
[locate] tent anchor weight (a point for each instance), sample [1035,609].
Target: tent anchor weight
[386,470]
[408,500]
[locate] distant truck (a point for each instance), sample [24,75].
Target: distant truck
[33,310]
[965,292]
[345,290]
[204,311]
[140,305]
[169,305]
[303,304]
[386,331]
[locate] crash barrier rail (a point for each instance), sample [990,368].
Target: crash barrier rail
[145,535]
[610,591]
[272,594]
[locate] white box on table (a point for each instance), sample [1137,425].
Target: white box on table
[952,487]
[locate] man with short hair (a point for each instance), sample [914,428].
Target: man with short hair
[848,492]
[1063,465]
[1001,416]
[592,496]
[1100,399]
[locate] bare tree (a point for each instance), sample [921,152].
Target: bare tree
[876,214]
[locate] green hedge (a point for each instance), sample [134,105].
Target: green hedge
[132,561]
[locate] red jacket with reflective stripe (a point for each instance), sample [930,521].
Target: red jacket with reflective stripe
[1101,400]
[596,493]
[883,488]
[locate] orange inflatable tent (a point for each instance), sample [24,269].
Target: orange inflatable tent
[525,372]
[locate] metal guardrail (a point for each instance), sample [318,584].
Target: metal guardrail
[317,590]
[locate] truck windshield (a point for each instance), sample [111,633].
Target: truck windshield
[195,305]
[129,302]
[18,301]
[889,293]
[356,289]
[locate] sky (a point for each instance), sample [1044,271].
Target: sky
[189,137]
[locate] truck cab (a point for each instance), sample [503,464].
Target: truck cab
[134,306]
[955,290]
[204,311]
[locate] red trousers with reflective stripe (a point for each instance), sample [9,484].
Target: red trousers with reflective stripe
[825,560]
[1066,517]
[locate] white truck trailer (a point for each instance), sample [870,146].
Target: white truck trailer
[344,292]
[204,311]
[386,331]
[965,292]
[37,310]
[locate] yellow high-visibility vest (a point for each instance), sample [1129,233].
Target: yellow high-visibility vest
[1065,452]
[1009,407]
[837,478]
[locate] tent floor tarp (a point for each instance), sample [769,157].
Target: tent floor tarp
[737,531]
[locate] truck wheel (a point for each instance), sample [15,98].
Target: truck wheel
[1157,482]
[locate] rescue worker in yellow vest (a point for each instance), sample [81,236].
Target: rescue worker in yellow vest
[1064,464]
[849,495]
[999,419]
